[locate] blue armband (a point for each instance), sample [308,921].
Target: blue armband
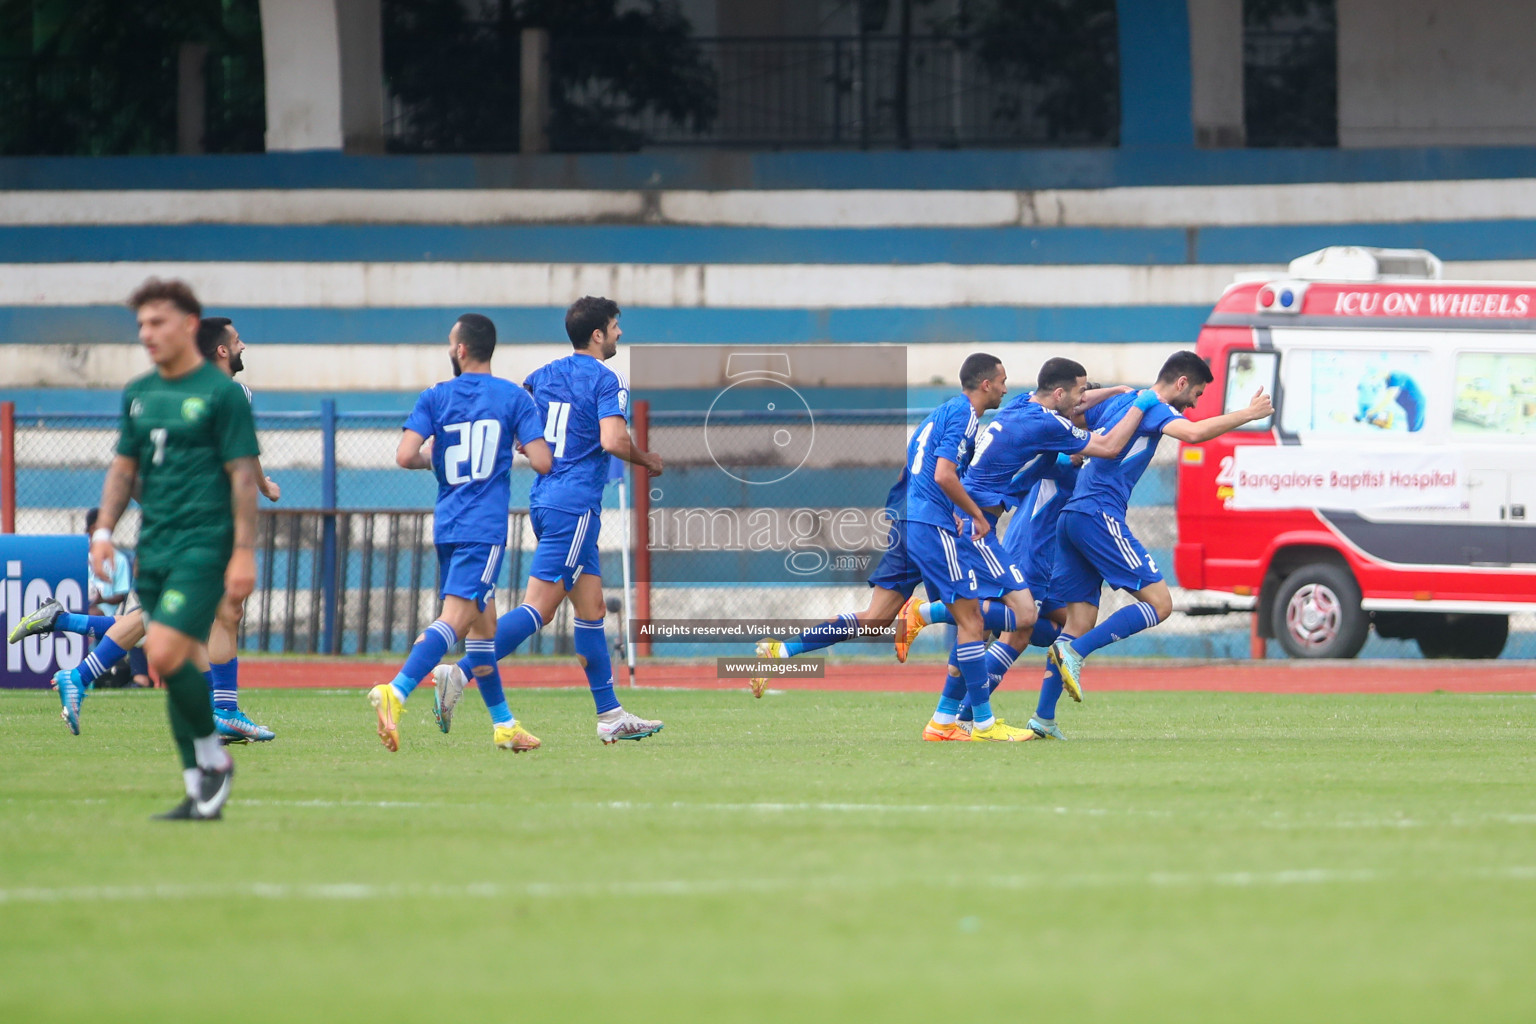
[1146,399]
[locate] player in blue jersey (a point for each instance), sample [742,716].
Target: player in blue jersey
[896,576]
[948,543]
[583,405]
[1015,451]
[474,423]
[1094,544]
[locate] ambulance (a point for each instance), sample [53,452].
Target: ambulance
[1394,487]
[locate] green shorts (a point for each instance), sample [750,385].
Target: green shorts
[184,596]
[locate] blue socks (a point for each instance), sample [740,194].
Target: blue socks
[1044,634]
[1050,688]
[844,627]
[424,657]
[996,616]
[592,648]
[972,659]
[481,655]
[953,696]
[102,657]
[1128,621]
[512,629]
[74,622]
[225,684]
[1000,658]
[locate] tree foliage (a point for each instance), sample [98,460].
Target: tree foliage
[1067,50]
[97,77]
[457,76]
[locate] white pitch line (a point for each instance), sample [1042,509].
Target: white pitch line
[352,891]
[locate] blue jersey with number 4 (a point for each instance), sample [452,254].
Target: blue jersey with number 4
[573,396]
[475,421]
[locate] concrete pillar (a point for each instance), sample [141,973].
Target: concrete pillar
[362,75]
[1216,71]
[324,74]
[1155,108]
[533,92]
[191,97]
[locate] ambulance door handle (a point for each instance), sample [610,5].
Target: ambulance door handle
[1517,511]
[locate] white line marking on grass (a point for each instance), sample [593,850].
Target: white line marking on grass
[352,891]
[859,808]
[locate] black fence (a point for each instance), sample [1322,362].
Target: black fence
[364,581]
[768,92]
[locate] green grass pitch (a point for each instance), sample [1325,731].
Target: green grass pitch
[1186,857]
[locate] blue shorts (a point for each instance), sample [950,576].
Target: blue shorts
[1094,548]
[1037,559]
[997,572]
[468,570]
[567,546]
[937,555]
[896,570]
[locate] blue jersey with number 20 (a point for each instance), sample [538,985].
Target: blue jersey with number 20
[573,396]
[476,422]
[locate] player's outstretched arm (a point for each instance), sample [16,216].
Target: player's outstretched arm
[616,441]
[1202,431]
[1110,444]
[539,455]
[946,475]
[410,454]
[118,487]
[240,575]
[1094,396]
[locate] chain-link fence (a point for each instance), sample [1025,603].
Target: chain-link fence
[345,562]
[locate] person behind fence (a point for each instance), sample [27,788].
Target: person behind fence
[473,423]
[188,444]
[101,621]
[583,404]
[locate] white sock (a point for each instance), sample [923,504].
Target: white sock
[940,718]
[193,779]
[210,752]
[984,726]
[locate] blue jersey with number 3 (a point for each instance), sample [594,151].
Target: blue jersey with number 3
[476,422]
[947,433]
[573,396]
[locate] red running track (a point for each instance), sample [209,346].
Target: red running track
[1227,677]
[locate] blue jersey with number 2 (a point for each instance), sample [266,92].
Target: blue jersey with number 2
[475,421]
[573,396]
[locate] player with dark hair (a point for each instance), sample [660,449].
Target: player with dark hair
[475,422]
[583,404]
[897,575]
[188,440]
[948,543]
[1014,452]
[220,344]
[1094,544]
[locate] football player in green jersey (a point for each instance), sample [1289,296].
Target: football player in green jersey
[188,439]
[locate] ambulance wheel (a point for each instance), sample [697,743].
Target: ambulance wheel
[1317,613]
[1465,636]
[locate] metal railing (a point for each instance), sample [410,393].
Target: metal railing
[867,91]
[790,92]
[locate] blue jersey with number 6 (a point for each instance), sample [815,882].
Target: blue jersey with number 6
[476,421]
[573,396]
